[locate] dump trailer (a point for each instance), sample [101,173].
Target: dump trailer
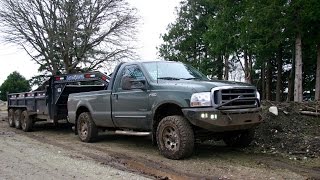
[49,102]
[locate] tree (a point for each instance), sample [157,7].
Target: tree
[275,42]
[312,19]
[66,36]
[185,40]
[14,83]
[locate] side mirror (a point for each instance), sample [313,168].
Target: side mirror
[127,83]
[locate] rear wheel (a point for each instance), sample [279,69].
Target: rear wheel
[239,139]
[175,137]
[11,118]
[26,122]
[86,128]
[17,118]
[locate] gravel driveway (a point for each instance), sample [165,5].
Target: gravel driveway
[25,158]
[56,153]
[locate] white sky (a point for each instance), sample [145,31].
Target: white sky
[155,16]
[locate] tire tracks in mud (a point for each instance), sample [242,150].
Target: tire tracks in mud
[147,167]
[311,173]
[121,161]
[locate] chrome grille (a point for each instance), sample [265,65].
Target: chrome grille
[234,97]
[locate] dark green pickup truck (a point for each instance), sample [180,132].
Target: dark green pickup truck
[173,103]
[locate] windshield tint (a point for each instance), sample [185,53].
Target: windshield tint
[172,71]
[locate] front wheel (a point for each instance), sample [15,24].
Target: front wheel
[239,139]
[175,137]
[86,128]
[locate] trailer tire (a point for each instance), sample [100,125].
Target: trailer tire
[11,118]
[175,137]
[240,139]
[17,118]
[26,122]
[86,128]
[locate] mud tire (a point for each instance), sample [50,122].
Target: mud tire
[11,118]
[26,122]
[175,137]
[240,139]
[17,118]
[86,128]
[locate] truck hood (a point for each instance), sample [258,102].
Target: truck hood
[199,86]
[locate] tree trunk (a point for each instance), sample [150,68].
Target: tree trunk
[279,76]
[250,68]
[220,67]
[263,80]
[226,67]
[247,70]
[269,81]
[291,83]
[298,70]
[317,88]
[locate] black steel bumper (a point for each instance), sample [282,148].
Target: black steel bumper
[223,120]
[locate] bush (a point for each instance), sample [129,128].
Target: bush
[14,83]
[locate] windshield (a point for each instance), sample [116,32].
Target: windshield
[172,71]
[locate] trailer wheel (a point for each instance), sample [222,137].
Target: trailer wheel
[11,118]
[17,118]
[87,130]
[239,139]
[175,137]
[26,122]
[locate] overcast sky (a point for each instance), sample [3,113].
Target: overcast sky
[155,16]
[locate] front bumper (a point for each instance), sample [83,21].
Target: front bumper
[223,120]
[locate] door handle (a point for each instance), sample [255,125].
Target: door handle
[115,96]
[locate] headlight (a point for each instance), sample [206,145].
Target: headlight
[200,99]
[258,95]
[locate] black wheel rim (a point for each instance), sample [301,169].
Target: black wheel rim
[170,138]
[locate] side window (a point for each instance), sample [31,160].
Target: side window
[132,78]
[133,72]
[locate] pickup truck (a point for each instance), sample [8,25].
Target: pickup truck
[173,103]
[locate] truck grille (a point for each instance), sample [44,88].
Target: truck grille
[235,98]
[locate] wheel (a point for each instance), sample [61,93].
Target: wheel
[26,122]
[11,118]
[175,137]
[239,139]
[17,118]
[87,130]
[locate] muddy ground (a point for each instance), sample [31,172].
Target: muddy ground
[290,133]
[57,153]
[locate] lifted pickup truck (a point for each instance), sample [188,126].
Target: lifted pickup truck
[173,102]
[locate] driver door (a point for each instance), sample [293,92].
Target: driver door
[130,100]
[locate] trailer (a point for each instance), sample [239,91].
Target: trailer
[49,102]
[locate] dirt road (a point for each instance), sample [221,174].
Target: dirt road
[23,157]
[56,153]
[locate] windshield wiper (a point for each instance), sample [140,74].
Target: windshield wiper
[192,78]
[169,78]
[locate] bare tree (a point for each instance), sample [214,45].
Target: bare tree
[70,35]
